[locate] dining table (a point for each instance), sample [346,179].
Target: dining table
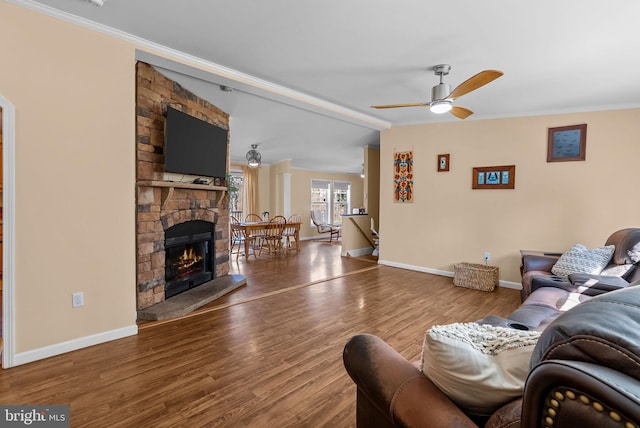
[249,227]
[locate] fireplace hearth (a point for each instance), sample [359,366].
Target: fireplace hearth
[190,258]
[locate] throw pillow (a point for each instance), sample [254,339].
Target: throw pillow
[479,366]
[579,259]
[634,253]
[616,270]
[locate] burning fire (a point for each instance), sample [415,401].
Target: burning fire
[187,260]
[188,254]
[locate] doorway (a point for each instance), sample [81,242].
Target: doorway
[1,335]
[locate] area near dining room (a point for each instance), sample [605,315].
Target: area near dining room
[178,216]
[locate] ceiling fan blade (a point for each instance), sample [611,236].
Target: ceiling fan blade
[401,105]
[461,112]
[475,82]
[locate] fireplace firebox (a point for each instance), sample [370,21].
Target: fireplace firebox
[190,259]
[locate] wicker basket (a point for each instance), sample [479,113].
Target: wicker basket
[478,277]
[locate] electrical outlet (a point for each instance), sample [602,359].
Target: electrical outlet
[77,299]
[487,256]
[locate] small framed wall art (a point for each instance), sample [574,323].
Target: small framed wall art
[567,143]
[443,162]
[494,177]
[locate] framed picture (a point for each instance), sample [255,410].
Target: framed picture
[494,177]
[567,143]
[443,162]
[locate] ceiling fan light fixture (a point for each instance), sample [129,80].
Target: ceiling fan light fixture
[254,158]
[441,106]
[442,97]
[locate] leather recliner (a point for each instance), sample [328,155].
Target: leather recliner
[546,296]
[585,372]
[536,268]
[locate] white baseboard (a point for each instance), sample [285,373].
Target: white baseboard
[510,284]
[72,345]
[501,283]
[357,253]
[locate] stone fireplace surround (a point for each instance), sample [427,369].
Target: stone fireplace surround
[161,204]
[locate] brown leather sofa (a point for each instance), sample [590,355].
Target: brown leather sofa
[585,372]
[536,266]
[546,296]
[585,369]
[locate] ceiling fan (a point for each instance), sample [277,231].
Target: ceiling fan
[442,96]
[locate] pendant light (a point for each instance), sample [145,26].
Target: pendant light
[254,158]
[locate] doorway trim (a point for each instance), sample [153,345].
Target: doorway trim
[8,231]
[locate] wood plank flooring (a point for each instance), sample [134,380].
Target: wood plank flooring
[268,355]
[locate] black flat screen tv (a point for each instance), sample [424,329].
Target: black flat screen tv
[193,146]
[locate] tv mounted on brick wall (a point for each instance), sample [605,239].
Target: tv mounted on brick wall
[193,146]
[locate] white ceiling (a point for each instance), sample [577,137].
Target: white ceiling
[307,72]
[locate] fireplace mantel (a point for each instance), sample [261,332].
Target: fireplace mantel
[171,185]
[179,185]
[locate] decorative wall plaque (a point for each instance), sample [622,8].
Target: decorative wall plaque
[494,177]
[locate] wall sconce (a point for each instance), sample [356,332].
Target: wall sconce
[362,173]
[254,159]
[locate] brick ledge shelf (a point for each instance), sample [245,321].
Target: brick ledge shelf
[171,185]
[179,185]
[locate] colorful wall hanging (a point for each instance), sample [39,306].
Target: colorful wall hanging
[403,177]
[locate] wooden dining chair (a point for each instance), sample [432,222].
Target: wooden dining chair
[238,238]
[291,232]
[272,239]
[252,217]
[256,234]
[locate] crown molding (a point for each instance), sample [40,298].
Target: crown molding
[259,86]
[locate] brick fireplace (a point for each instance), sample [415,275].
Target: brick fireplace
[161,204]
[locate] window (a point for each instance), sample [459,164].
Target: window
[320,199]
[235,194]
[341,200]
[330,199]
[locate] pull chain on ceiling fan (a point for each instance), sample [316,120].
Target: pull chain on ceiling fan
[442,97]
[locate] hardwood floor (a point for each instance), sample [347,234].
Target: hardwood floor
[268,355]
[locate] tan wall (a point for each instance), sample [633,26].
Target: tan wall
[553,206]
[354,242]
[73,90]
